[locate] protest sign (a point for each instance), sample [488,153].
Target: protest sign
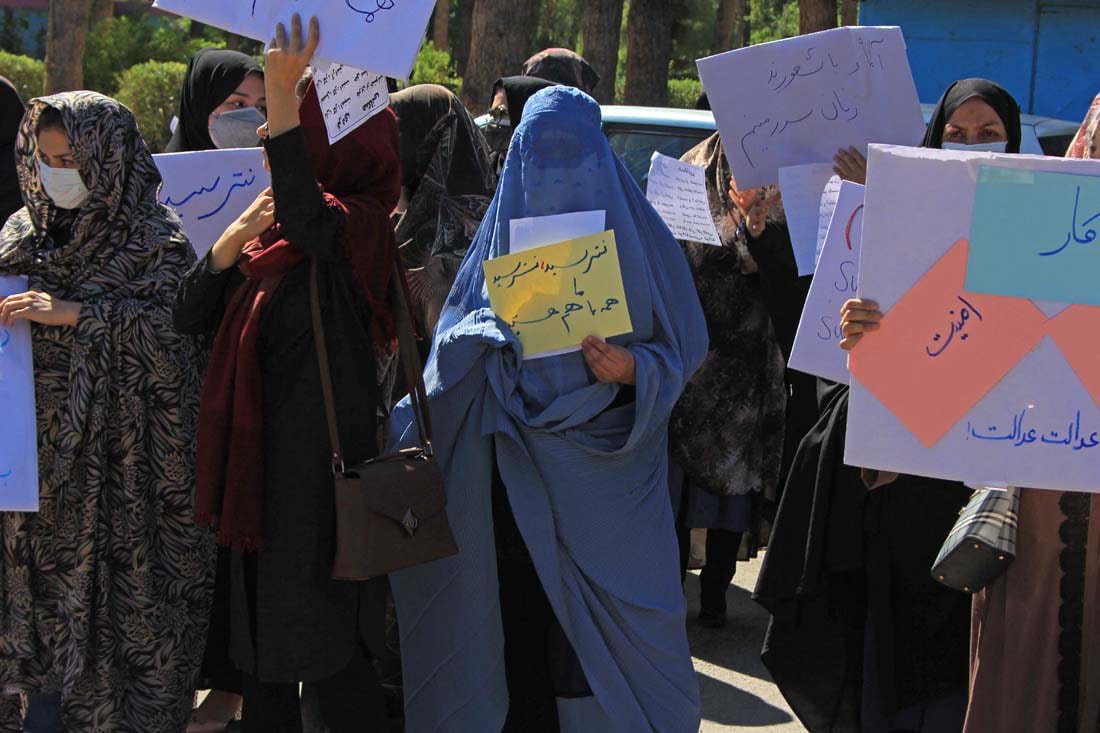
[799,100]
[816,350]
[349,97]
[535,231]
[962,385]
[802,188]
[19,426]
[678,191]
[381,35]
[210,189]
[825,213]
[1013,251]
[554,296]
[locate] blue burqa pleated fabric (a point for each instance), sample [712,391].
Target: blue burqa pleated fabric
[587,481]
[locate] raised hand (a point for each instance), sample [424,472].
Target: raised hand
[851,165]
[287,59]
[755,204]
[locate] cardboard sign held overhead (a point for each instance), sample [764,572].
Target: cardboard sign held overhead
[799,100]
[381,35]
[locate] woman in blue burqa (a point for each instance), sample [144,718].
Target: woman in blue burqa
[563,609]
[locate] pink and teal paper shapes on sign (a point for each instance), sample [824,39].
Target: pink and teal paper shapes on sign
[941,349]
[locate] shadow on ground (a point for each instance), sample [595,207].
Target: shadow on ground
[734,685]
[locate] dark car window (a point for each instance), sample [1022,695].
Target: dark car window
[1055,145]
[636,144]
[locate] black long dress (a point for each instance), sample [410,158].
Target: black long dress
[290,621]
[860,631]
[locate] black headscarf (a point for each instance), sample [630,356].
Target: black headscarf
[11,115]
[446,169]
[212,75]
[1003,103]
[518,89]
[564,67]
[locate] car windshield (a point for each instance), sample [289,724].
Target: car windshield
[636,145]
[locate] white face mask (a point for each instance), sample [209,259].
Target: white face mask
[64,186]
[997,147]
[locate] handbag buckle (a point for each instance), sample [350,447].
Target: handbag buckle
[410,523]
[428,452]
[338,467]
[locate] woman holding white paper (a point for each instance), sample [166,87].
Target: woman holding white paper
[222,102]
[563,609]
[913,637]
[106,590]
[264,475]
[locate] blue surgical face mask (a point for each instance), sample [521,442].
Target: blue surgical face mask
[237,128]
[997,147]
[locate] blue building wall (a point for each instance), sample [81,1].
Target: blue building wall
[1045,52]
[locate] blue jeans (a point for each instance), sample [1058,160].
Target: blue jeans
[43,713]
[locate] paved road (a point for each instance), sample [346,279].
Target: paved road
[737,693]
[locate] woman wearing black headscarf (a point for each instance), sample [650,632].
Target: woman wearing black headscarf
[11,114]
[1035,643]
[447,182]
[862,638]
[562,66]
[510,94]
[222,102]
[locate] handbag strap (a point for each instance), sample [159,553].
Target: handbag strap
[409,357]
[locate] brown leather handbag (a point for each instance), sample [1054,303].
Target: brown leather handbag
[391,511]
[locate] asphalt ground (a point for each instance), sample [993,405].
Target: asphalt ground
[736,691]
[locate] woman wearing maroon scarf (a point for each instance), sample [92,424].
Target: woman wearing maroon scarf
[263,476]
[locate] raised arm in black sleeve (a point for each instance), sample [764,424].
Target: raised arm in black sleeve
[308,222]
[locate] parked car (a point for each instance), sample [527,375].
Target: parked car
[636,132]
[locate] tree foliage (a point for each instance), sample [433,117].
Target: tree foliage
[434,66]
[26,74]
[151,91]
[119,43]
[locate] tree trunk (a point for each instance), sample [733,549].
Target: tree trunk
[460,34]
[849,12]
[728,31]
[603,21]
[816,15]
[441,25]
[501,37]
[101,9]
[67,31]
[649,50]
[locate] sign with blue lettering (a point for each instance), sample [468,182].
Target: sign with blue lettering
[18,427]
[1034,235]
[381,35]
[209,189]
[816,349]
